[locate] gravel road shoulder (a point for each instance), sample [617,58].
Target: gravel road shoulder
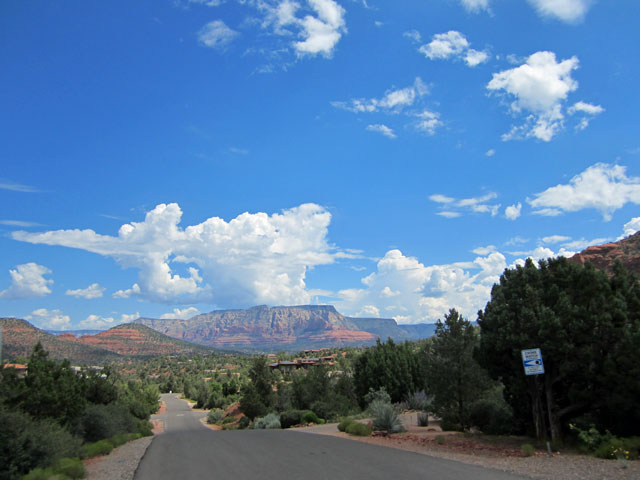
[120,464]
[562,466]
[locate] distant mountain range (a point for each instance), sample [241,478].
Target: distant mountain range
[124,341]
[284,328]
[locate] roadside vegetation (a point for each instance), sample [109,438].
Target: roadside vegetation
[54,416]
[469,377]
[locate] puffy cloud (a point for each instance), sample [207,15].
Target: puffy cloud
[102,323]
[27,281]
[92,291]
[555,239]
[475,5]
[416,293]
[453,44]
[513,211]
[252,259]
[484,250]
[322,33]
[382,129]
[49,319]
[490,153]
[394,99]
[182,313]
[452,208]
[602,186]
[631,227]
[570,11]
[428,122]
[540,86]
[588,110]
[216,35]
[413,35]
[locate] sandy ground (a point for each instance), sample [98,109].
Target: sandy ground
[499,454]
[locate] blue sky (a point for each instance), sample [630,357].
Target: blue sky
[390,158]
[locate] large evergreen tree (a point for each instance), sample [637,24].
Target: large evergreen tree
[587,326]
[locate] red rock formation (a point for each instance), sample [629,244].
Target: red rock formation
[604,256]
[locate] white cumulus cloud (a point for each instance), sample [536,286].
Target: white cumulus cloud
[27,281]
[602,186]
[382,129]
[182,313]
[513,211]
[394,99]
[92,291]
[216,35]
[252,259]
[631,227]
[539,88]
[475,5]
[99,322]
[453,44]
[49,319]
[570,11]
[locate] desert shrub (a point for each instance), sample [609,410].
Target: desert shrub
[268,422]
[449,425]
[440,439]
[379,395]
[144,427]
[358,429]
[418,401]
[309,417]
[385,418]
[103,421]
[423,419]
[244,423]
[70,467]
[527,449]
[226,420]
[101,447]
[123,438]
[344,423]
[26,443]
[39,474]
[290,418]
[215,416]
[492,417]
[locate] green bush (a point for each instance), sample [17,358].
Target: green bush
[244,423]
[26,443]
[123,438]
[358,429]
[215,416]
[344,423]
[269,421]
[440,439]
[380,395]
[101,447]
[229,419]
[104,421]
[491,417]
[423,419]
[527,449]
[144,427]
[290,418]
[71,467]
[448,425]
[385,418]
[310,417]
[39,474]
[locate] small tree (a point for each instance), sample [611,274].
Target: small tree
[454,377]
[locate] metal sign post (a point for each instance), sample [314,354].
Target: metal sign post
[533,365]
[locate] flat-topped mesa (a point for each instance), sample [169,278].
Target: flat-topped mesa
[264,327]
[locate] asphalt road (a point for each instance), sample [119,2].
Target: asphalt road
[189,450]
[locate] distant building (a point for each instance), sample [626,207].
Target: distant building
[20,369]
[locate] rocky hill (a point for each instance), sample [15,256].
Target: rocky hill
[288,328]
[603,257]
[19,338]
[123,341]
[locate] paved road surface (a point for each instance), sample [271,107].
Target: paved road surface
[188,450]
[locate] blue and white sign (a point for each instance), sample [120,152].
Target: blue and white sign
[532,361]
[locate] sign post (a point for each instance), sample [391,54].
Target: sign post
[533,365]
[532,362]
